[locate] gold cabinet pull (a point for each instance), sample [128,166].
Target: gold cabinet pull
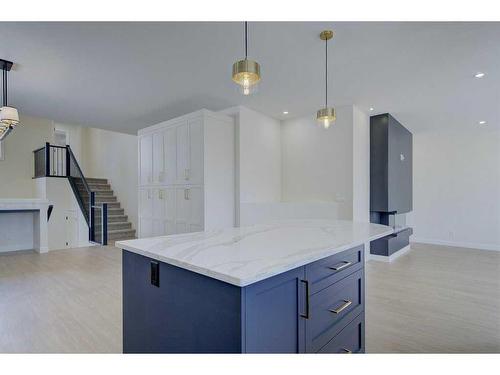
[338,268]
[186,174]
[347,351]
[160,194]
[342,308]
[186,194]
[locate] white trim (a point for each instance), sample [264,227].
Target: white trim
[43,249]
[468,245]
[390,258]
[60,131]
[2,150]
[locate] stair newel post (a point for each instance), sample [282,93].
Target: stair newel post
[104,223]
[92,217]
[47,159]
[68,162]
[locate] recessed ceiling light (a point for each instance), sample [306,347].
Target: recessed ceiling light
[371,108]
[482,122]
[479,75]
[285,112]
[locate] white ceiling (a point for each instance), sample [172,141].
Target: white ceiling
[125,76]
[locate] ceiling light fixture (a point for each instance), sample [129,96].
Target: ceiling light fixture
[372,109]
[9,117]
[246,73]
[326,115]
[285,112]
[479,75]
[482,122]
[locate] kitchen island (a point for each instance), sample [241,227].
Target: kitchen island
[285,287]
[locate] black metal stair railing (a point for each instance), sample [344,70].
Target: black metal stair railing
[59,161]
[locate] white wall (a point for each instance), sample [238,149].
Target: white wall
[113,156]
[265,212]
[361,166]
[318,163]
[456,187]
[75,135]
[257,159]
[16,170]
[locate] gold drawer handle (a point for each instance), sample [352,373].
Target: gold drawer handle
[345,265]
[342,308]
[347,351]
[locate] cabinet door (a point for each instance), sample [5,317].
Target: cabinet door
[275,313]
[145,202]
[170,209]
[71,229]
[146,159]
[182,212]
[182,153]
[145,212]
[169,155]
[196,211]
[158,204]
[195,168]
[145,227]
[158,158]
[158,227]
[164,211]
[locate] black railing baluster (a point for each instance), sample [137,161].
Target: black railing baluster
[68,168]
[47,159]
[104,224]
[92,216]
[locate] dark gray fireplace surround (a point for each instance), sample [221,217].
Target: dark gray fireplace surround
[391,180]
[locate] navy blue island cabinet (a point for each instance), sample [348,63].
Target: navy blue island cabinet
[316,308]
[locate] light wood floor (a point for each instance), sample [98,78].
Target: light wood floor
[433,299]
[63,301]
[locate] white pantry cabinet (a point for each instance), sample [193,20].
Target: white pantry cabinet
[186,175]
[145,160]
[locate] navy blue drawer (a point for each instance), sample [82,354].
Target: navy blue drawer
[351,339]
[328,271]
[332,307]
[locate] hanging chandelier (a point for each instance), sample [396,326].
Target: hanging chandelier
[9,117]
[326,115]
[246,73]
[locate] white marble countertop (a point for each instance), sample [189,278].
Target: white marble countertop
[243,256]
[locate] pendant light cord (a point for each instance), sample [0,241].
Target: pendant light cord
[326,73]
[246,39]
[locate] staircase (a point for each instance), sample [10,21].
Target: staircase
[103,215]
[119,228]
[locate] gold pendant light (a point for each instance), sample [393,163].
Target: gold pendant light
[326,115]
[246,73]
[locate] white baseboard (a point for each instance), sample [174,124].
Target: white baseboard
[390,258]
[17,247]
[468,245]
